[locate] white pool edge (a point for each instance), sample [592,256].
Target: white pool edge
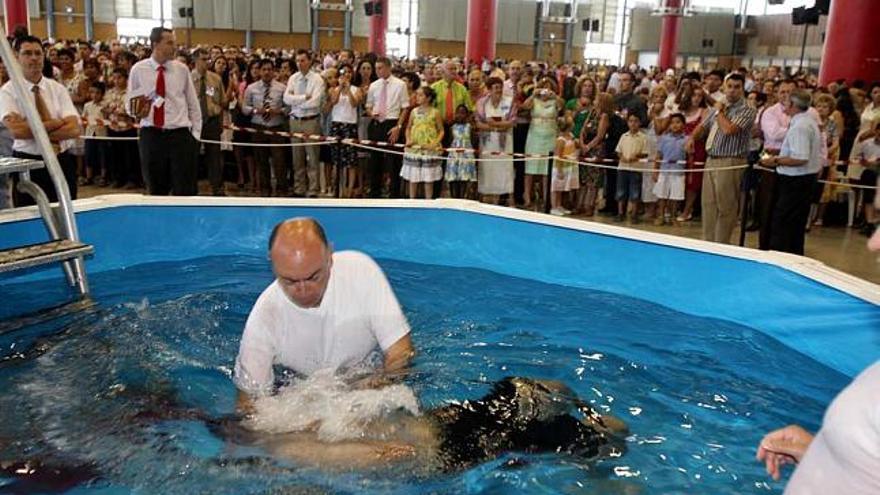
[806,267]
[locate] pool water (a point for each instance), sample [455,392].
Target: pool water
[697,393]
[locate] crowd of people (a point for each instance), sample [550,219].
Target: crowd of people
[642,145]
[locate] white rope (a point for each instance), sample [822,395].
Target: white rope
[634,169]
[211,141]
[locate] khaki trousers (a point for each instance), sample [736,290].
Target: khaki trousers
[305,175]
[721,192]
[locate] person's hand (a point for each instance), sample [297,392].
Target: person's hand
[689,145]
[394,134]
[770,162]
[720,106]
[784,446]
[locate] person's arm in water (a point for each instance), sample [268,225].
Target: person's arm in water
[244,404]
[399,355]
[784,446]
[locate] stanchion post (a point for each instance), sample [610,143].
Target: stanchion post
[547,181]
[744,207]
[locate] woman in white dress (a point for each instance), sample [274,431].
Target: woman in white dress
[495,119]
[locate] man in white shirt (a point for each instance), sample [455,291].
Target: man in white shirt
[324,310]
[797,166]
[162,96]
[304,96]
[387,101]
[56,109]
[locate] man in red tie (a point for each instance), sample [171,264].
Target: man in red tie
[162,96]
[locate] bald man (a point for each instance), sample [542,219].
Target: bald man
[324,310]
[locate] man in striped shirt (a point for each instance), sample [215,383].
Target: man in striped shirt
[729,126]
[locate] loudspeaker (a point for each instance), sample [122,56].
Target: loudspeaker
[368,9]
[377,8]
[585,25]
[595,26]
[803,15]
[823,6]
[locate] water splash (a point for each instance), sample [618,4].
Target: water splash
[324,401]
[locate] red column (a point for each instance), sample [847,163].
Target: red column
[669,35]
[851,49]
[481,23]
[378,27]
[16,14]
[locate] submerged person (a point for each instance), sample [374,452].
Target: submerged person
[518,415]
[324,310]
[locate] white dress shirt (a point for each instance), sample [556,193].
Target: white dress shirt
[57,101]
[397,97]
[181,101]
[304,94]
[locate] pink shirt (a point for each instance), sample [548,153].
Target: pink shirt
[774,125]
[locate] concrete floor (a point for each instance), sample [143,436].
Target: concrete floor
[839,247]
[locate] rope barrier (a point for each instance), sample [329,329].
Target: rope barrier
[385,147]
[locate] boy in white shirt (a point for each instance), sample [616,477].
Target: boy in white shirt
[96,149]
[631,150]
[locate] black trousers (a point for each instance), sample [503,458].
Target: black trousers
[124,164]
[211,129]
[41,178]
[765,205]
[169,161]
[263,155]
[789,219]
[520,133]
[381,161]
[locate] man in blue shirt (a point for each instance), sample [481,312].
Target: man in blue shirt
[797,165]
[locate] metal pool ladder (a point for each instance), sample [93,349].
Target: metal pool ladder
[63,245]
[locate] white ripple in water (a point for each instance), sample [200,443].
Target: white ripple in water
[325,400]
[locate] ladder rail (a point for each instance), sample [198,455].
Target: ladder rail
[26,103]
[26,186]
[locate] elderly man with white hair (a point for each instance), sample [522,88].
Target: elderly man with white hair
[797,166]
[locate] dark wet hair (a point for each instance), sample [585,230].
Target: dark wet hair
[480,430]
[315,224]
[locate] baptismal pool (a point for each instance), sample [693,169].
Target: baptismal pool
[700,353]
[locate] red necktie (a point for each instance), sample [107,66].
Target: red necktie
[159,112]
[450,110]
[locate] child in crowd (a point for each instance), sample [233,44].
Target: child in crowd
[632,148]
[93,112]
[461,168]
[565,173]
[424,133]
[668,175]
